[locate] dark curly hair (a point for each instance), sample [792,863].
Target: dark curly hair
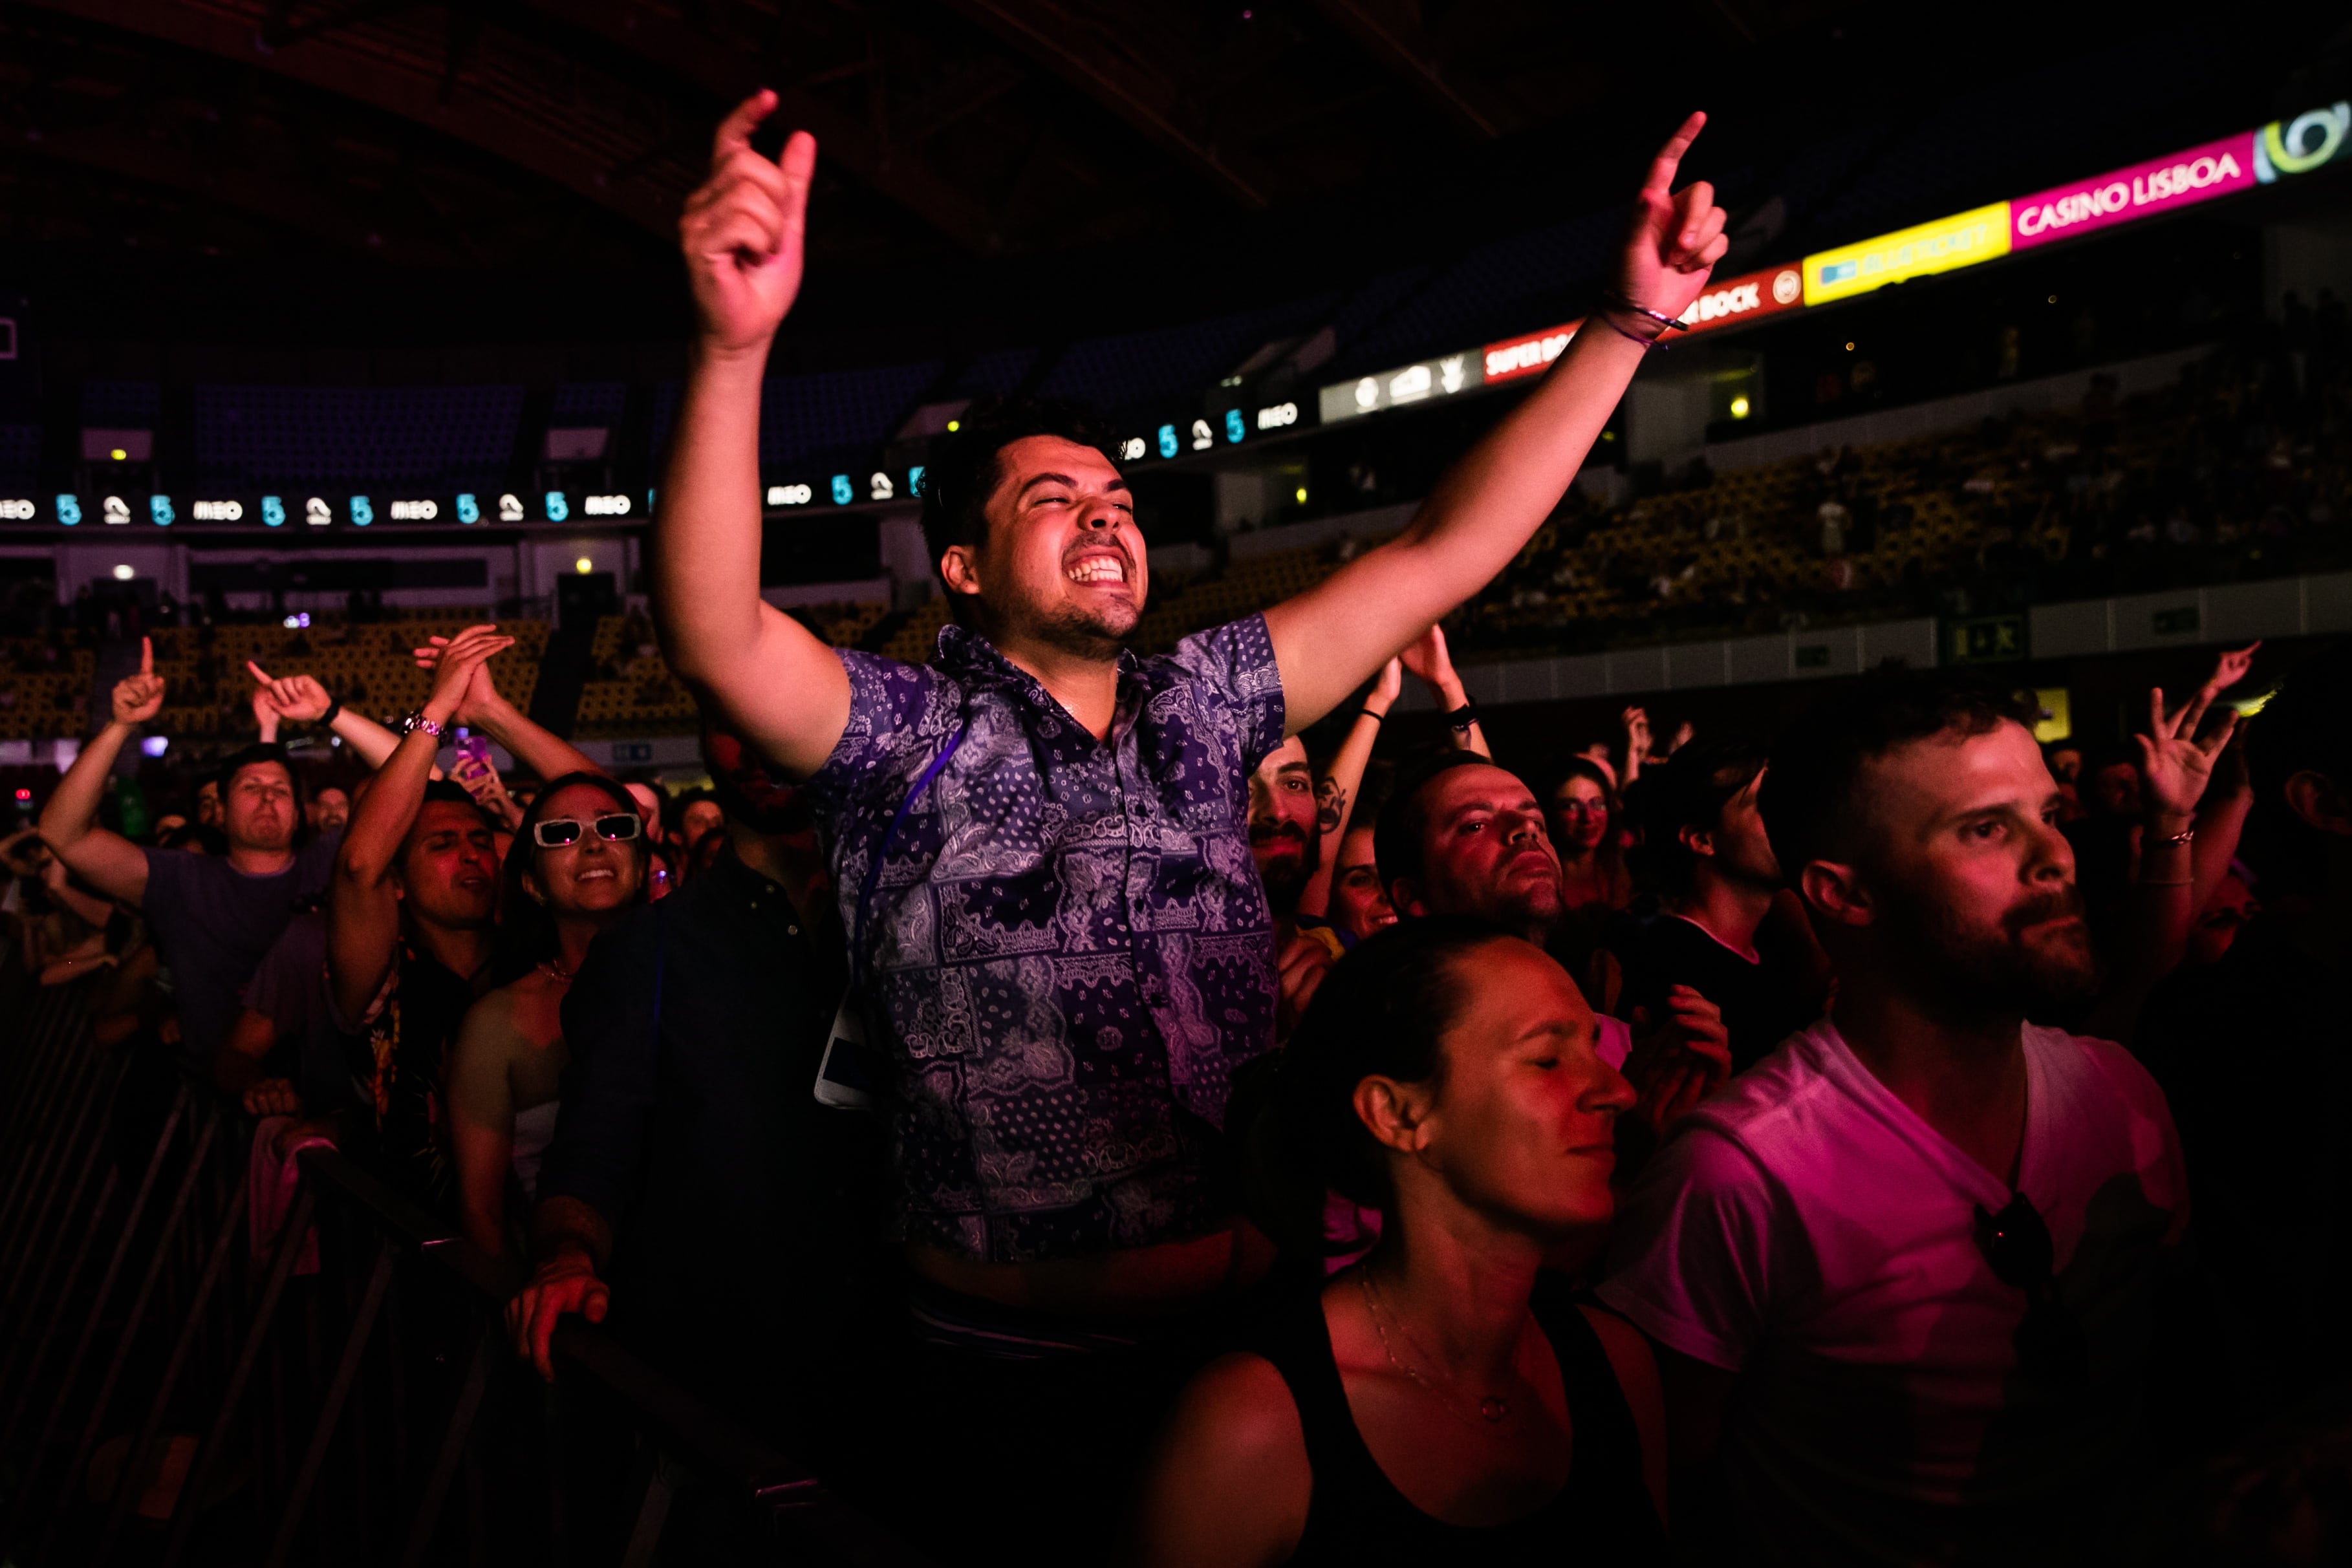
[964,468]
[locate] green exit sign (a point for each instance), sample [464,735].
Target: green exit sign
[2180,622]
[1987,640]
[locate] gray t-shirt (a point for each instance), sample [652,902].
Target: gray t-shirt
[214,924]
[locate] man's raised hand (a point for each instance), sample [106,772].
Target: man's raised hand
[140,697]
[1677,235]
[2175,765]
[2230,669]
[741,231]
[298,697]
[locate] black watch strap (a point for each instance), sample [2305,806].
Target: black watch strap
[334,710]
[1463,718]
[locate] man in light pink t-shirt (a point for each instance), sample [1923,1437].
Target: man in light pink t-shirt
[1904,1273]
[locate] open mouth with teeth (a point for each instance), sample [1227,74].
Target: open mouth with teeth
[1097,566]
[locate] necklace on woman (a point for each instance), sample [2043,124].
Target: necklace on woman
[556,972]
[1492,1409]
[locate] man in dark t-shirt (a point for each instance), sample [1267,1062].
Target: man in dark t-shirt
[213,917]
[214,922]
[1704,844]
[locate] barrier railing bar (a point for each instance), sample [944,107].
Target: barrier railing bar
[224,1240]
[137,1318]
[41,1358]
[265,1313]
[653,1511]
[330,1409]
[90,1136]
[96,1314]
[47,1142]
[453,1444]
[49,1064]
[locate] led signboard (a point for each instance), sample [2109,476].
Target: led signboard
[1742,298]
[1445,376]
[1516,357]
[2144,189]
[164,510]
[1961,240]
[2297,146]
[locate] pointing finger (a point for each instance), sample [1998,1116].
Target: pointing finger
[734,133]
[146,655]
[1660,181]
[258,672]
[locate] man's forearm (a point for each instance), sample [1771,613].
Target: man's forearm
[370,742]
[72,810]
[1488,505]
[381,819]
[545,753]
[560,1222]
[2220,823]
[707,539]
[1346,779]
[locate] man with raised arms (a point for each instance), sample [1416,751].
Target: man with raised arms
[1040,841]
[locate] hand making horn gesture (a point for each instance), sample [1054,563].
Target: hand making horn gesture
[741,231]
[1676,238]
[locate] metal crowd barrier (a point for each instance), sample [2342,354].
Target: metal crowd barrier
[345,1396]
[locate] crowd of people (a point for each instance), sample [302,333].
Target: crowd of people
[1085,1121]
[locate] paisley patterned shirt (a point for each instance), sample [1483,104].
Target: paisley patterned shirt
[1068,950]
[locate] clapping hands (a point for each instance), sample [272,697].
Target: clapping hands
[457,665]
[479,693]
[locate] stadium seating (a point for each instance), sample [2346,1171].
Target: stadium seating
[20,455]
[2001,514]
[44,686]
[1119,372]
[122,405]
[262,437]
[841,412]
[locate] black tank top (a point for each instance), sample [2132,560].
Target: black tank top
[1602,1514]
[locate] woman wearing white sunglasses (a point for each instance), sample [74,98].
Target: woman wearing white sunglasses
[577,864]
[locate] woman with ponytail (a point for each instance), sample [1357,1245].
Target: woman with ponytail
[1438,1401]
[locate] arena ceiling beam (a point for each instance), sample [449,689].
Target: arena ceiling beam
[1389,32]
[285,204]
[1141,80]
[894,170]
[579,155]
